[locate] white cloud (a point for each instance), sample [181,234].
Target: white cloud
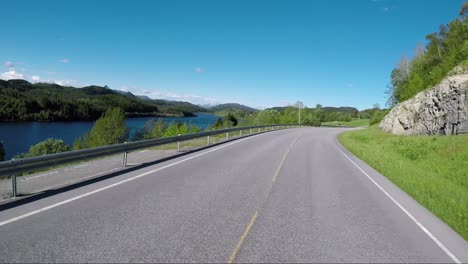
[8,64]
[64,60]
[199,70]
[74,83]
[12,74]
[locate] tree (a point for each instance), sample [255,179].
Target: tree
[2,152]
[268,117]
[311,119]
[80,142]
[193,129]
[109,129]
[320,113]
[175,129]
[48,146]
[230,120]
[444,51]
[378,116]
[219,123]
[299,106]
[463,11]
[158,129]
[404,67]
[145,131]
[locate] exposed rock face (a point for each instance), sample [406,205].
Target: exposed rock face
[441,110]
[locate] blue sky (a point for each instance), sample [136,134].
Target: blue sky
[259,53]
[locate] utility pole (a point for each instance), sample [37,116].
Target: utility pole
[299,115]
[299,105]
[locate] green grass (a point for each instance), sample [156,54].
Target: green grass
[353,123]
[200,142]
[431,169]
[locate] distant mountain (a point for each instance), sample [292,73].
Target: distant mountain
[144,97]
[343,109]
[187,108]
[277,108]
[232,106]
[21,100]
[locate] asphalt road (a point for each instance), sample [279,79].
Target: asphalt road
[285,196]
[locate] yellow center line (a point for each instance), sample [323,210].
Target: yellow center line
[254,217]
[241,240]
[284,159]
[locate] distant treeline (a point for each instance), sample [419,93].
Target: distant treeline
[24,101]
[111,128]
[309,115]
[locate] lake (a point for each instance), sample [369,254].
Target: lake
[18,137]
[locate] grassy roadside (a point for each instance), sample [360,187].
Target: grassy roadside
[200,142]
[431,169]
[353,123]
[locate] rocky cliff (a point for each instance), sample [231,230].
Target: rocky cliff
[441,110]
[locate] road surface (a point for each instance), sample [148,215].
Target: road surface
[285,196]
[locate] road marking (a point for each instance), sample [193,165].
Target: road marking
[40,175]
[242,238]
[284,159]
[81,166]
[143,151]
[423,228]
[100,173]
[119,183]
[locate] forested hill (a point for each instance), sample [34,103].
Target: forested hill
[231,107]
[23,101]
[342,109]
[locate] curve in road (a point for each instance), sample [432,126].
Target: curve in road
[285,196]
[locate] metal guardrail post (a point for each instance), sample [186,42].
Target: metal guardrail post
[207,140]
[250,132]
[227,135]
[124,162]
[240,134]
[14,190]
[178,144]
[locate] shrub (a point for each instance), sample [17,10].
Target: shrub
[48,146]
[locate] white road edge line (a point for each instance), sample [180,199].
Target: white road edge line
[101,173]
[41,175]
[117,183]
[423,228]
[81,166]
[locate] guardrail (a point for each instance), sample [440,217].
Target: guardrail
[13,168]
[16,166]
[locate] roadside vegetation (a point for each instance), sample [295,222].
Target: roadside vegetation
[431,63]
[48,146]
[111,129]
[355,122]
[431,169]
